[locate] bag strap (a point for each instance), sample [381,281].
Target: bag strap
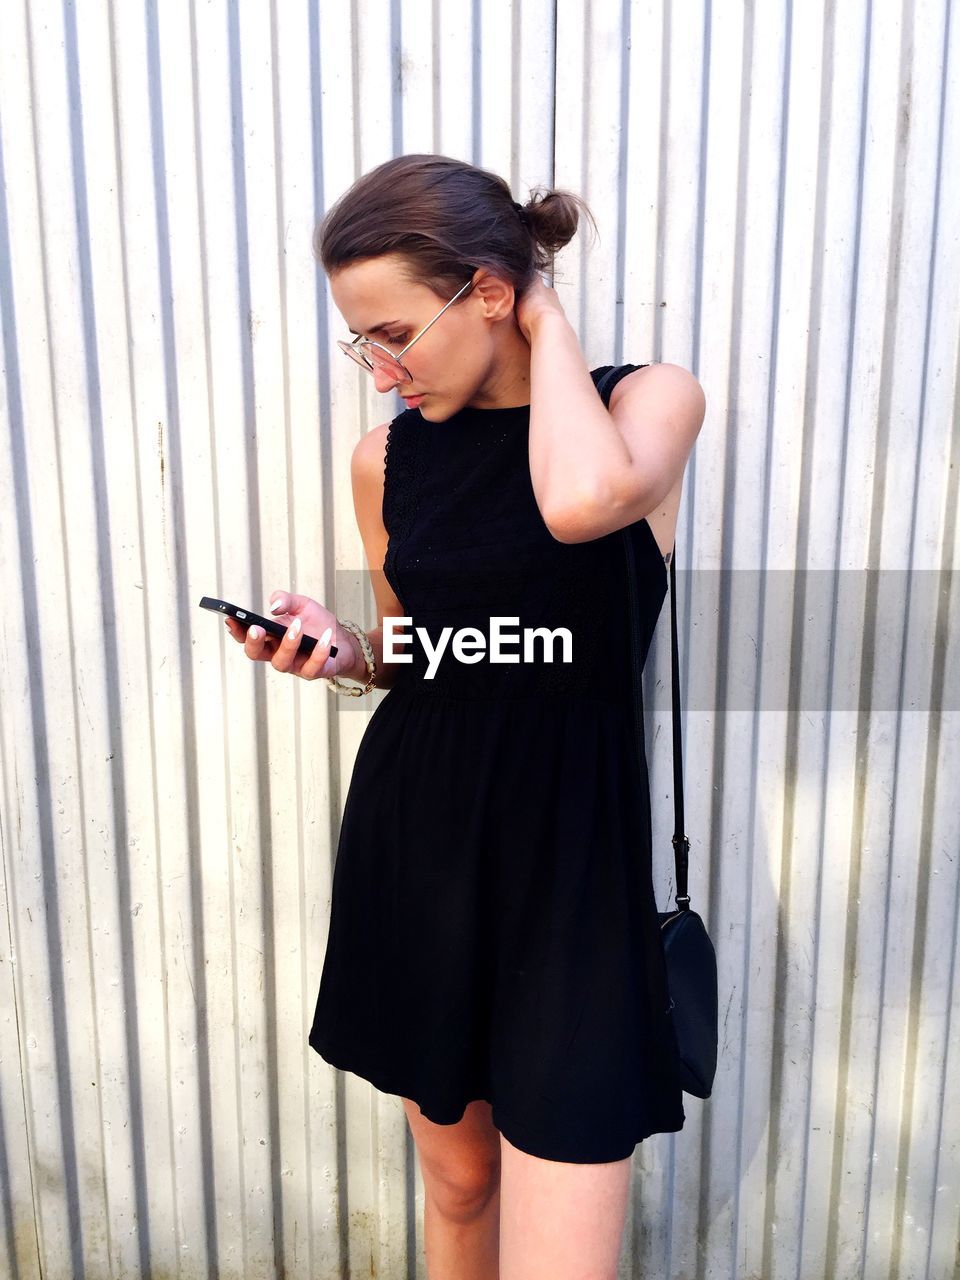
[681,843]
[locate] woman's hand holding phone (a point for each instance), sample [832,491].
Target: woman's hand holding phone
[282,654]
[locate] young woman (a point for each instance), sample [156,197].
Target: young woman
[493,954]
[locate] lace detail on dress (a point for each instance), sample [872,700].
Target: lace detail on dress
[402,474]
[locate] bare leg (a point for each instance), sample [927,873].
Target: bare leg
[561,1221]
[464,1245]
[460,1164]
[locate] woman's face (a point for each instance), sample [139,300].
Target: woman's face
[453,361]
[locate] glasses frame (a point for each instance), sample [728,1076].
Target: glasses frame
[355,349]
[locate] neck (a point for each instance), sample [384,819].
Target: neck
[508,385]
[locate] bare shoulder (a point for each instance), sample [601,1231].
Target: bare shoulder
[662,385]
[659,410]
[367,466]
[367,461]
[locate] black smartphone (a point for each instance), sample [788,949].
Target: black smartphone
[247,618]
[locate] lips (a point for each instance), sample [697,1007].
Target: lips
[412,401]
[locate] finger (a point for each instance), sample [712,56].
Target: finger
[255,645]
[283,659]
[280,603]
[313,664]
[236,630]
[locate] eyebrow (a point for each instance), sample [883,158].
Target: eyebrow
[377,328]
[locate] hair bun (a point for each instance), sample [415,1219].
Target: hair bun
[553,218]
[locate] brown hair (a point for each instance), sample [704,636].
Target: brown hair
[447,217]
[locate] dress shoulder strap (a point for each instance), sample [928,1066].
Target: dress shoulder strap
[608,375]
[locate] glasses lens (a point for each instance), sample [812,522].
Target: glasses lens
[350,350]
[382,359]
[371,356]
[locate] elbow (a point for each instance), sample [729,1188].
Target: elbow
[573,521]
[575,527]
[595,517]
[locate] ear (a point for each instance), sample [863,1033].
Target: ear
[497,295]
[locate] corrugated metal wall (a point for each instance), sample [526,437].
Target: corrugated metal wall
[777,213]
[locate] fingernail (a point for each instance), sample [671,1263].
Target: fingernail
[277,608]
[254,633]
[294,629]
[325,638]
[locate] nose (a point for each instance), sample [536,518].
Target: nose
[383,380]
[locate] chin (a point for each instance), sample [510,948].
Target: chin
[435,413]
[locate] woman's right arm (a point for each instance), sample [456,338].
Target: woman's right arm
[367,466]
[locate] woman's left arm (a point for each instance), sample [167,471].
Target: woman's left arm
[594,470]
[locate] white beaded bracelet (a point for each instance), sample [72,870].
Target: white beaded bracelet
[354,690]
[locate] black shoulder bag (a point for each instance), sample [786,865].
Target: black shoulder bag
[689,956]
[688,953]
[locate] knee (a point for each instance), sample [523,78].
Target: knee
[462,1195]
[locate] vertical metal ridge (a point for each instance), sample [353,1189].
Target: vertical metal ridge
[516,118]
[436,53]
[663,160]
[663,168]
[322,337]
[82,235]
[133,1010]
[213,1242]
[81,229]
[871,1235]
[784,889]
[804,557]
[705,1178]
[269,895]
[744,118]
[704,153]
[887,357]
[620,268]
[832,1243]
[166,302]
[951,579]
[584,184]
[244,325]
[552,179]
[396,47]
[38,705]
[355,80]
[476,113]
[327,188]
[13,405]
[165,270]
[210,1194]
[948,588]
[927,816]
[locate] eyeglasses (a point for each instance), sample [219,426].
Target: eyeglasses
[372,355]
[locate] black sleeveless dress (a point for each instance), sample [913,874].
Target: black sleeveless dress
[493,929]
